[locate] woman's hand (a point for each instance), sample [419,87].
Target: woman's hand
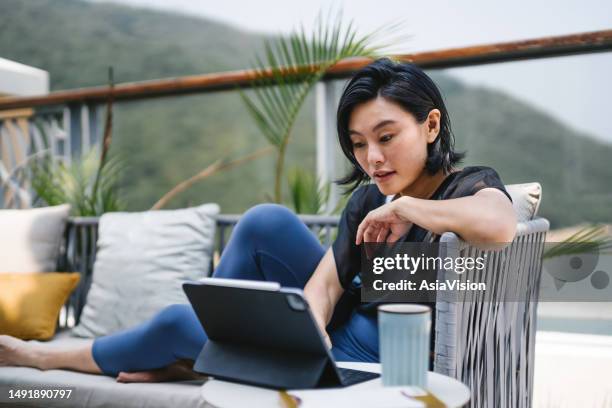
[383,224]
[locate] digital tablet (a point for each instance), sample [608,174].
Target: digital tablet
[262,334]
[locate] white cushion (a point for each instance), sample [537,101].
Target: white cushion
[526,199]
[30,239]
[98,391]
[141,263]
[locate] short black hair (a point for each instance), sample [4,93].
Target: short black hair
[409,87]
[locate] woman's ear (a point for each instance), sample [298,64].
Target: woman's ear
[433,125]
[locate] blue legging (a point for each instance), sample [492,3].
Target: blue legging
[269,243]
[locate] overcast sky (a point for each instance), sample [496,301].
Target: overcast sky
[574,89]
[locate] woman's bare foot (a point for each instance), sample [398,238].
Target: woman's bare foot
[179,371]
[16,352]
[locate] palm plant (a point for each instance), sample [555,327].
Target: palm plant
[89,188]
[289,70]
[90,183]
[589,239]
[309,195]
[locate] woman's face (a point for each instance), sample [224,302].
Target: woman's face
[389,143]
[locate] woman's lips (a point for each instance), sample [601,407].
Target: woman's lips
[384,176]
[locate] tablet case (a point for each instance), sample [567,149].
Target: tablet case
[266,368]
[248,343]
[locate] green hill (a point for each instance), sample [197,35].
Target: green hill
[168,139]
[524,144]
[77,40]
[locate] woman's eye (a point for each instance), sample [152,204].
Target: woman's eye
[386,138]
[358,145]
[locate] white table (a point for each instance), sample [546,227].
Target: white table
[223,394]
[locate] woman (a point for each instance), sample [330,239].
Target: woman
[394,128]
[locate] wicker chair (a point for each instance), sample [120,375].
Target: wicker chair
[489,343]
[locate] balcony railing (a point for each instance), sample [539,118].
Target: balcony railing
[66,123]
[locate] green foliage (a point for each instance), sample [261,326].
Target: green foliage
[590,239]
[167,140]
[308,196]
[289,70]
[55,182]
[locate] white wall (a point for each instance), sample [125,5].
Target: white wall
[22,80]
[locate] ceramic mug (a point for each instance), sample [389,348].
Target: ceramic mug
[404,331]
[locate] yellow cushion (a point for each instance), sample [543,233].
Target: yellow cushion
[30,302]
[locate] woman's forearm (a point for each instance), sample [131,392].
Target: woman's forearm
[323,290]
[321,306]
[320,303]
[485,217]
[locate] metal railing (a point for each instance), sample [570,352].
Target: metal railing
[69,122]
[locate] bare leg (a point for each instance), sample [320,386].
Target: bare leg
[16,352]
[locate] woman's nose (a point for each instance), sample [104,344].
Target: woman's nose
[375,156]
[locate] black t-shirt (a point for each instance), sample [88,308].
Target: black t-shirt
[347,255]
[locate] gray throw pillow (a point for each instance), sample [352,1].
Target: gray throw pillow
[526,199]
[141,262]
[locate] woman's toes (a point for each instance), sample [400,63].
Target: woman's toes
[141,376]
[178,371]
[159,375]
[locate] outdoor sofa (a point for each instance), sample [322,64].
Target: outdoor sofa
[488,345]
